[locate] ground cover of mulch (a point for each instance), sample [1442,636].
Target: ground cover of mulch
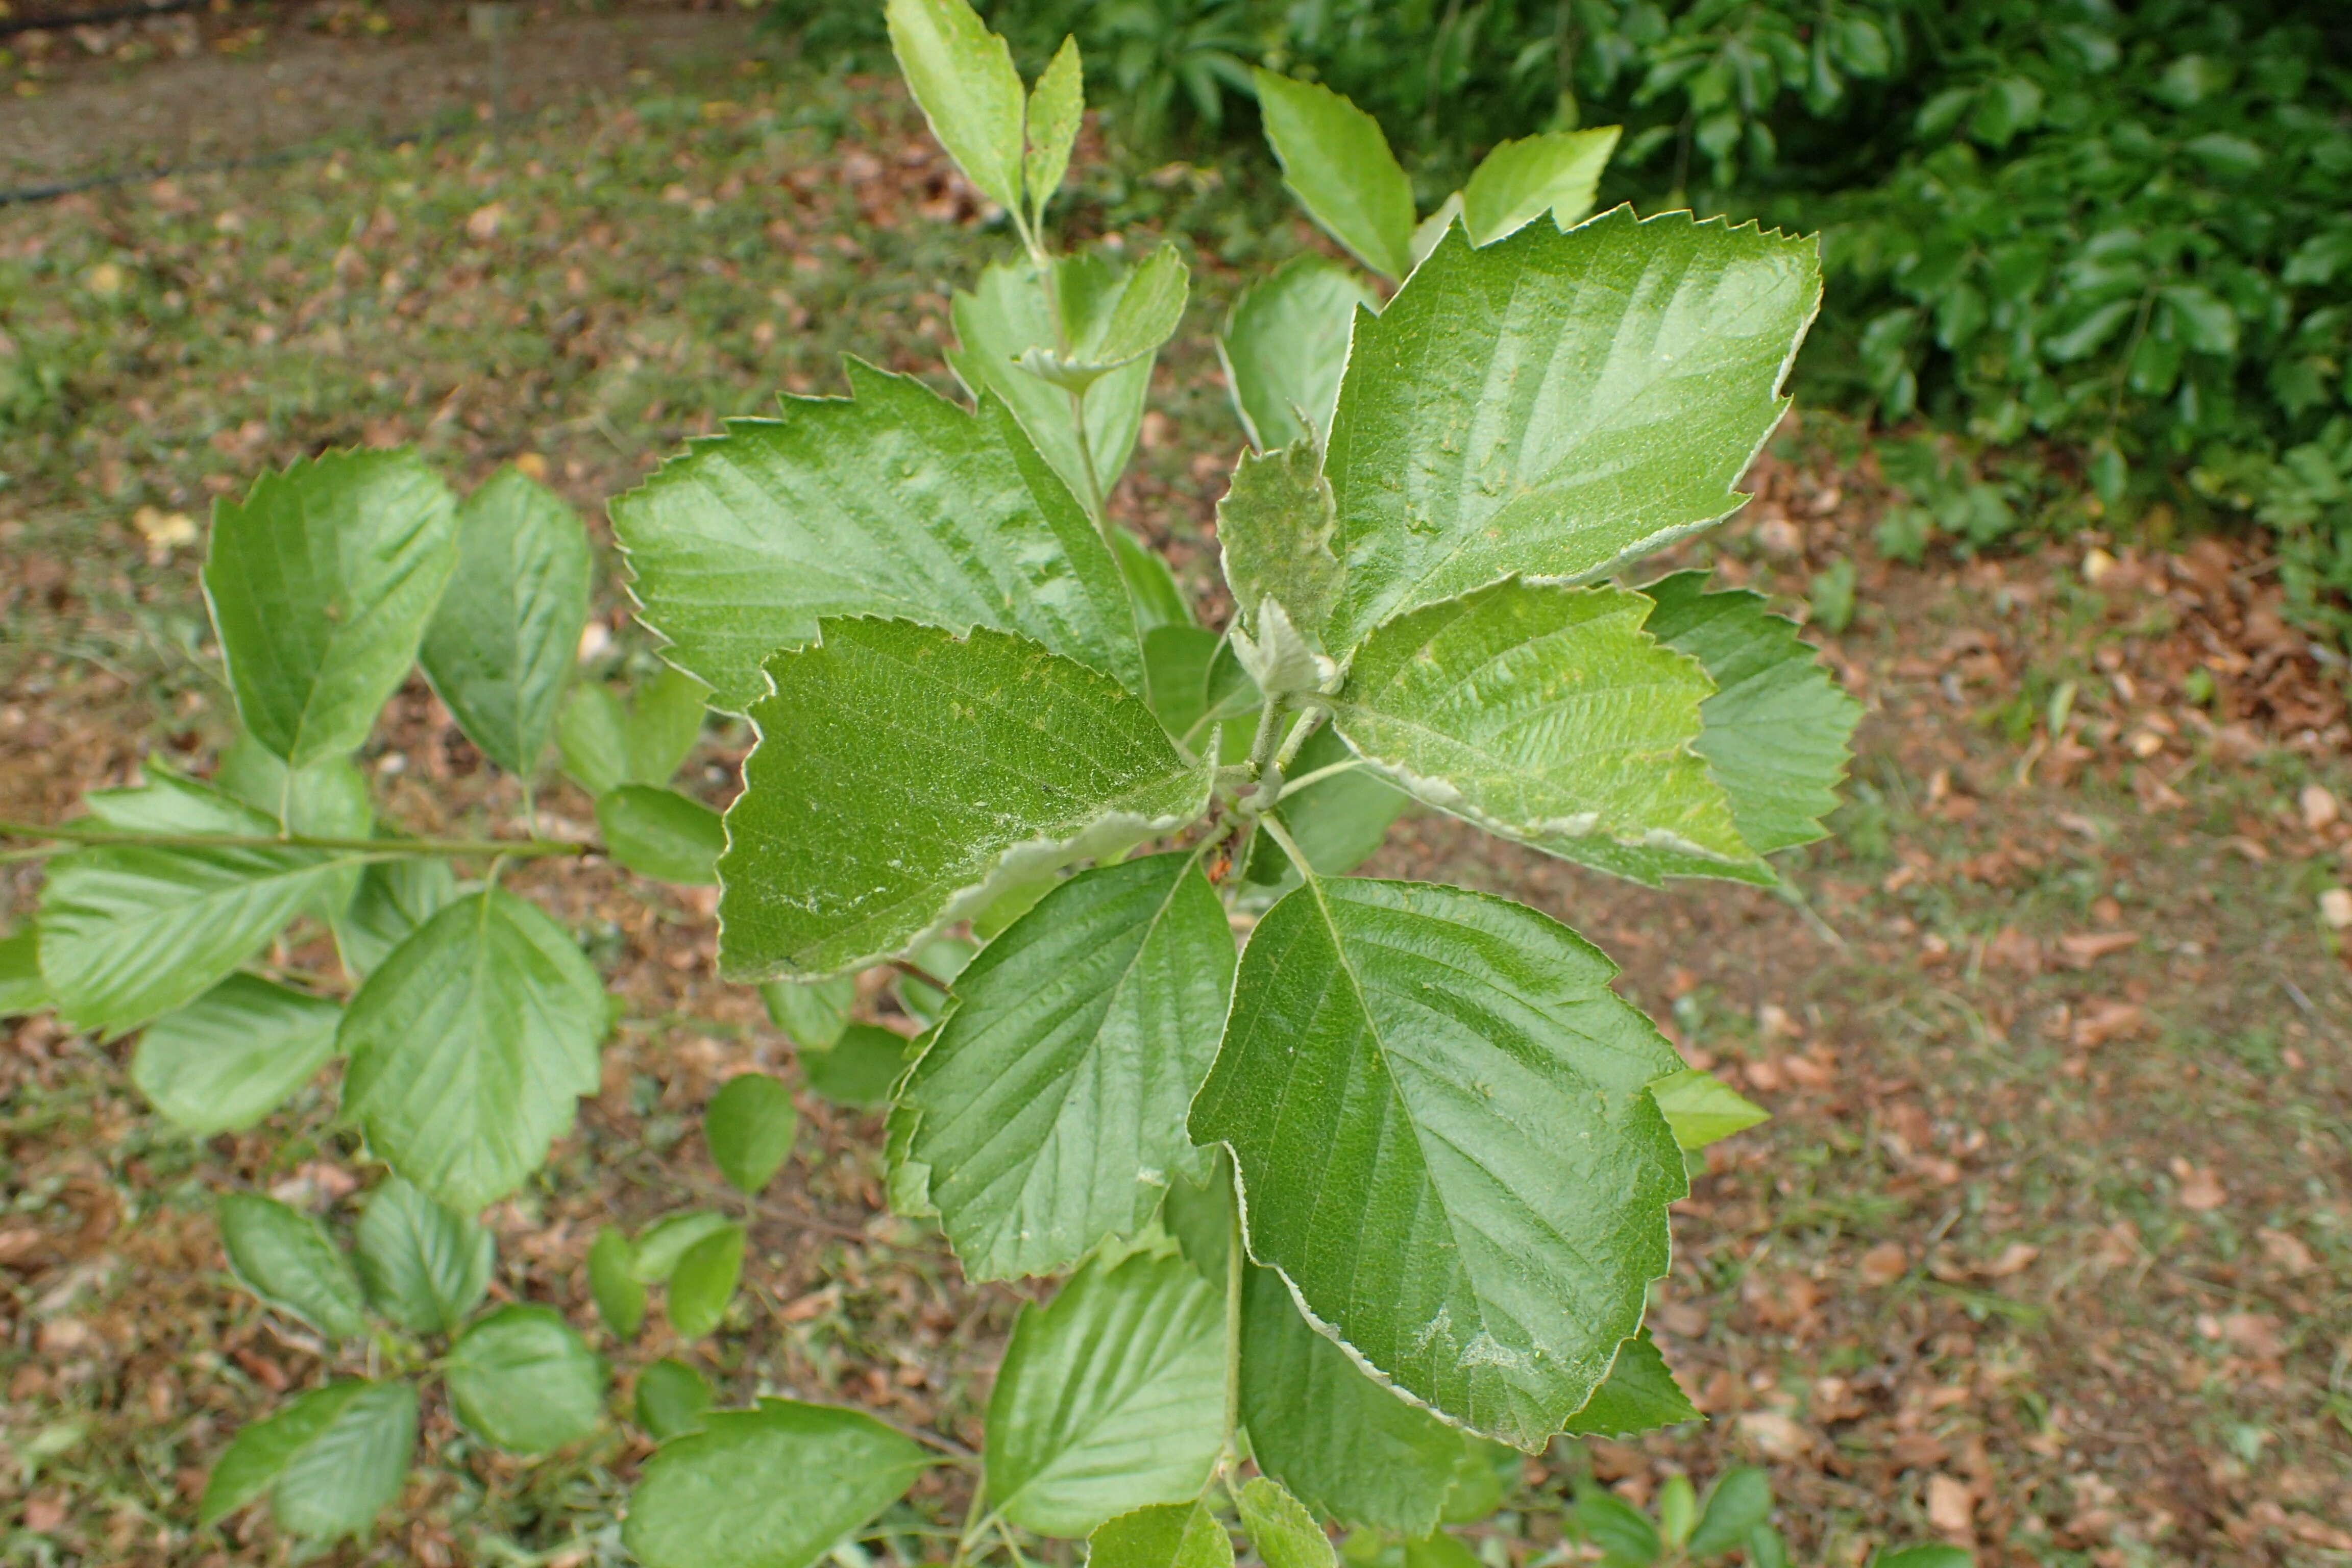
[2048,1247]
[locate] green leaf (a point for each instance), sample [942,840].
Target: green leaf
[1550,716]
[523,1380]
[424,1266]
[661,833]
[1109,1397]
[749,1127]
[1626,1537]
[22,989]
[1176,662]
[1007,318]
[262,1449]
[1338,1440]
[669,1239]
[1159,601]
[1146,312]
[1336,161]
[777,1487]
[395,897]
[1556,172]
[321,582]
[1438,1107]
[231,1056]
[1337,822]
[813,1013]
[906,1181]
[672,1399]
[1776,732]
[128,931]
[904,776]
[1161,1535]
[1639,1396]
[1554,404]
[741,547]
[1702,1107]
[592,736]
[2204,319]
[1274,530]
[1677,1510]
[1930,1556]
[1285,1534]
[503,641]
[1057,104]
[943,958]
[664,720]
[328,799]
[469,1046]
[704,1283]
[861,1067]
[284,1258]
[613,1281]
[962,76]
[1740,1501]
[1285,346]
[1439,1550]
[354,1467]
[1053,1097]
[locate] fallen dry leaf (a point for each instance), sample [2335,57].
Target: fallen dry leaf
[2285,1250]
[2319,807]
[1774,1435]
[2336,908]
[1882,1265]
[1951,1509]
[2083,949]
[2200,1190]
[2103,1021]
[2256,1334]
[2013,1259]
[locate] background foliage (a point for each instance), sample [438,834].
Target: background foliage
[2035,215]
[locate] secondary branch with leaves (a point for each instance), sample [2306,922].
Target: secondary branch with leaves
[1347,1216]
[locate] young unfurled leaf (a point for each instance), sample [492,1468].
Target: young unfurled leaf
[813,1013]
[1338,1440]
[470,1046]
[666,1240]
[284,1258]
[1109,1397]
[424,1266]
[1056,106]
[749,1127]
[1554,404]
[1438,1107]
[1052,1100]
[321,582]
[22,989]
[962,76]
[661,833]
[1009,314]
[777,1487]
[1273,530]
[860,1067]
[503,641]
[395,896]
[1336,161]
[522,1379]
[1279,1526]
[613,1280]
[1738,1503]
[905,774]
[131,931]
[1639,1396]
[1285,346]
[742,545]
[704,1283]
[1161,1535]
[231,1056]
[1775,732]
[330,1461]
[1702,1107]
[1549,715]
[1520,181]
[1145,314]
[672,1399]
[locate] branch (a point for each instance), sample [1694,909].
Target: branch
[76,833]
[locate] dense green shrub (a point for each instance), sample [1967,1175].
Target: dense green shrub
[2035,211]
